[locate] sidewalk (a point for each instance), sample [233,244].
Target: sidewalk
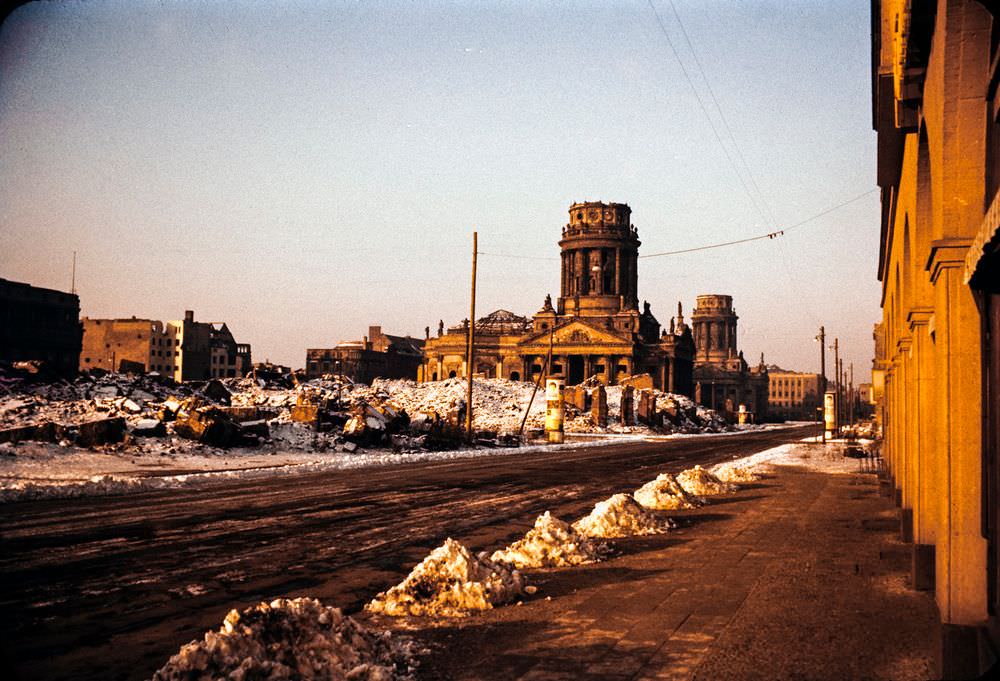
[799,576]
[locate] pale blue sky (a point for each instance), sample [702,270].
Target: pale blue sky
[303,169]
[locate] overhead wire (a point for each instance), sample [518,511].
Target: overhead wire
[769,235]
[704,110]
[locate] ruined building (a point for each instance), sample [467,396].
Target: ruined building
[377,355]
[595,328]
[723,379]
[936,108]
[183,349]
[40,324]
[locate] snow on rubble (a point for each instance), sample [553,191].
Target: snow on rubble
[550,543]
[665,493]
[702,483]
[450,582]
[291,639]
[621,516]
[108,433]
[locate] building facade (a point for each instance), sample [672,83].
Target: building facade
[183,349]
[40,324]
[723,379]
[595,329]
[936,378]
[377,355]
[793,395]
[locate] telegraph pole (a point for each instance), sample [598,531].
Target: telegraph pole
[851,402]
[73,285]
[822,372]
[836,374]
[470,351]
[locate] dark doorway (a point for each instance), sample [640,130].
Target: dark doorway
[575,374]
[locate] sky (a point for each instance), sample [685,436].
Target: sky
[304,169]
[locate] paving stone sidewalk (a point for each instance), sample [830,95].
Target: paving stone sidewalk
[799,576]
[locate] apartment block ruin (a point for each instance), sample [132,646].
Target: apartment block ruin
[184,349]
[377,355]
[40,324]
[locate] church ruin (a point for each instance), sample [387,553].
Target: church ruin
[595,329]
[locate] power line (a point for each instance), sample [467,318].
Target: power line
[701,104]
[770,235]
[722,116]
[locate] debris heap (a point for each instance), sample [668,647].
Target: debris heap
[450,582]
[702,483]
[665,494]
[550,543]
[291,639]
[620,516]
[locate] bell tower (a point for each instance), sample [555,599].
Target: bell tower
[600,250]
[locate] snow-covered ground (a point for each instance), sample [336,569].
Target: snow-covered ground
[805,454]
[31,469]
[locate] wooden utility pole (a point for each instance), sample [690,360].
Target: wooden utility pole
[541,377]
[470,351]
[850,403]
[73,284]
[822,382]
[836,374]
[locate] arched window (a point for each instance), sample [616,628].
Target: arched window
[515,376]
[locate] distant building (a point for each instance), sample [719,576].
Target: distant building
[596,328]
[40,324]
[723,379]
[793,395]
[377,355]
[183,349]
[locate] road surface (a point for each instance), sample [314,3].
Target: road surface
[110,587]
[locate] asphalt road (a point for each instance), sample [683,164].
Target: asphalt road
[110,587]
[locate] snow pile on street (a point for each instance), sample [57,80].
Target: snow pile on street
[702,483]
[550,543]
[731,472]
[291,639]
[450,582]
[620,516]
[665,494]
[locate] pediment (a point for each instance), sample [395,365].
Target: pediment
[578,332]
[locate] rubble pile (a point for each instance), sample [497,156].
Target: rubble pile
[291,639]
[703,483]
[665,493]
[621,516]
[550,543]
[450,582]
[731,472]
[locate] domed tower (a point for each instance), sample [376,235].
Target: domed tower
[600,248]
[714,324]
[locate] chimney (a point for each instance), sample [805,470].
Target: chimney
[189,315]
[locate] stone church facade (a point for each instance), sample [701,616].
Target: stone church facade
[723,379]
[595,328]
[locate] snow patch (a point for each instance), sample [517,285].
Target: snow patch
[291,639]
[450,582]
[702,483]
[550,543]
[621,516]
[665,493]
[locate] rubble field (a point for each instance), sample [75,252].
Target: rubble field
[112,433]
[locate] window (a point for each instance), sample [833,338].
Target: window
[87,360]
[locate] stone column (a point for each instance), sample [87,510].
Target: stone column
[926,487]
[961,549]
[671,370]
[906,422]
[586,367]
[618,271]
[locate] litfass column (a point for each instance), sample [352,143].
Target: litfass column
[554,389]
